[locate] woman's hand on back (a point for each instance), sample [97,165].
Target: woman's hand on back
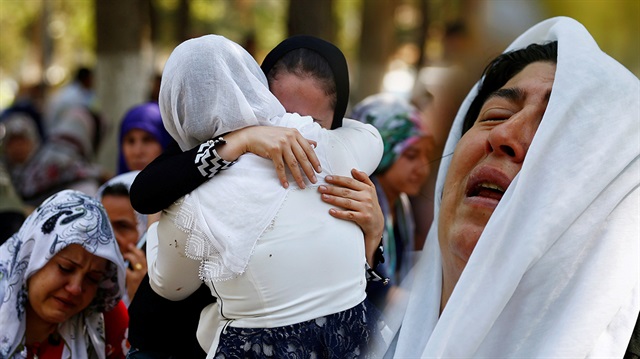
[284,146]
[358,202]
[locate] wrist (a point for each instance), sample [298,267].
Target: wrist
[208,160]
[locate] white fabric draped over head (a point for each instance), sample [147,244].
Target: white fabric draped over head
[68,217]
[211,86]
[555,272]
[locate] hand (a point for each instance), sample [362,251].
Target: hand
[281,145]
[358,202]
[138,260]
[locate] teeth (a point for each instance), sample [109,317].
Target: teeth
[491,186]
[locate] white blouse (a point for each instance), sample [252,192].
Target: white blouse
[305,265]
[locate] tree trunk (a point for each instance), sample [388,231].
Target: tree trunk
[183,32]
[122,73]
[312,17]
[377,43]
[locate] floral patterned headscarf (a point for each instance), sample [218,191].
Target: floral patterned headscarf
[67,217]
[397,121]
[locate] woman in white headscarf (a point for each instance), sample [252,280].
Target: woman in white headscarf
[289,278]
[535,257]
[61,280]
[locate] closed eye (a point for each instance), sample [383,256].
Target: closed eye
[493,119]
[95,278]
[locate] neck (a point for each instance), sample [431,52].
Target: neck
[450,276]
[37,329]
[446,293]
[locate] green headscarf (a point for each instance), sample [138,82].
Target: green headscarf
[397,120]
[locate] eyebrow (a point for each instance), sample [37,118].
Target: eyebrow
[514,94]
[77,265]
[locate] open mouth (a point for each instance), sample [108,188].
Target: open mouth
[487,190]
[487,185]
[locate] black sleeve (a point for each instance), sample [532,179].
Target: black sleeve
[170,176]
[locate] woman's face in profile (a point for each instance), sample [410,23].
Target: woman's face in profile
[139,148]
[488,157]
[65,286]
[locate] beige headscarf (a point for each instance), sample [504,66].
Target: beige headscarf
[211,86]
[556,272]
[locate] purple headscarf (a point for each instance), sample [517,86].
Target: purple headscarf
[144,117]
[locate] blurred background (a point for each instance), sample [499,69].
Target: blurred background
[431,51]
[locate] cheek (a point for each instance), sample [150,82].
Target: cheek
[127,149]
[41,285]
[153,150]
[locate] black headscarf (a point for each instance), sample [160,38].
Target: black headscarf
[334,57]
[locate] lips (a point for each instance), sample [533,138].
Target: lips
[487,189]
[486,183]
[69,303]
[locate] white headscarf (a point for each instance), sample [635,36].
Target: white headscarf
[68,217]
[211,86]
[555,272]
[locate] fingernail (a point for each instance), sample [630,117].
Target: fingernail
[314,179]
[319,168]
[322,188]
[286,185]
[329,178]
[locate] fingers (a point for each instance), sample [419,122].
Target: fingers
[136,257]
[356,184]
[292,163]
[278,163]
[310,152]
[347,215]
[356,200]
[302,156]
[362,177]
[341,196]
[288,149]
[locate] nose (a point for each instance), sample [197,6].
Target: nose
[513,137]
[74,286]
[136,148]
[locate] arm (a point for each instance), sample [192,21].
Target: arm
[174,173]
[170,176]
[172,274]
